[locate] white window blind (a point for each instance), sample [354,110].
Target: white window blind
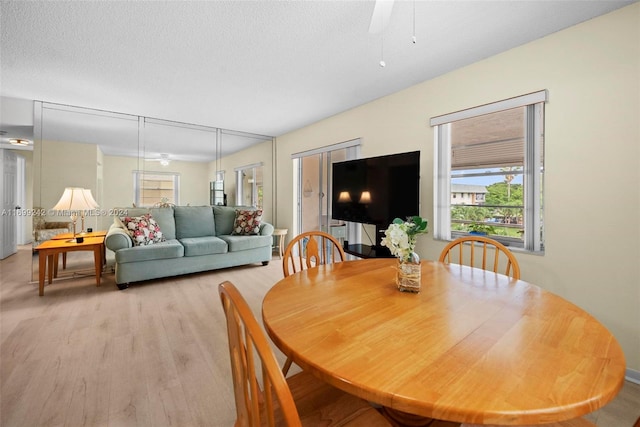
[151,188]
[492,140]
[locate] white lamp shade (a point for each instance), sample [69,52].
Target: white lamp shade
[89,197]
[75,199]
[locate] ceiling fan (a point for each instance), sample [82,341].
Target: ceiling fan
[380,16]
[164,160]
[379,21]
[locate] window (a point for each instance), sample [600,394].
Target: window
[249,185]
[155,188]
[489,167]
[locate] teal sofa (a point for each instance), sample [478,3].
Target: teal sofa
[198,238]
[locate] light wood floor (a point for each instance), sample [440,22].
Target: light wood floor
[153,355]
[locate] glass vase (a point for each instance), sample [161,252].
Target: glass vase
[409,275]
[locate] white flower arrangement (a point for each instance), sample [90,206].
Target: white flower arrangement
[401,236]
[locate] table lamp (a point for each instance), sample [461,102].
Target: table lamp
[94,205]
[75,200]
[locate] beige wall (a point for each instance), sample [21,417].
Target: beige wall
[592,151]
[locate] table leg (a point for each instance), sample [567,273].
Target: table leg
[64,260]
[281,245]
[97,260]
[403,419]
[50,267]
[42,266]
[55,263]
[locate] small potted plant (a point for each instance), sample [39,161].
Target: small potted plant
[401,238]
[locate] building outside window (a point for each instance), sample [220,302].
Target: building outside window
[467,194]
[489,172]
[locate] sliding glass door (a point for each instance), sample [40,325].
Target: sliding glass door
[313,171]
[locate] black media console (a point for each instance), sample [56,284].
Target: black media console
[367,251]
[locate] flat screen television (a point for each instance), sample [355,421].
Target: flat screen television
[376,190]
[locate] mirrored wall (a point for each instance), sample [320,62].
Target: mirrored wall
[126,160]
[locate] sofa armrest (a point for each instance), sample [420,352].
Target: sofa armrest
[117,238]
[48,233]
[266,229]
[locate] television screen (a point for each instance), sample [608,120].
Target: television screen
[376,190]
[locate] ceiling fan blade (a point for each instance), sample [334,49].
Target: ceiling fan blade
[380,16]
[164,159]
[158,159]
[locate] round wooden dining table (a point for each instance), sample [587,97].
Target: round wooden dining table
[473,346]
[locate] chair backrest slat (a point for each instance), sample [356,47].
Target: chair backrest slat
[309,249]
[469,243]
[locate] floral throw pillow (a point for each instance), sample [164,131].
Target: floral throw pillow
[144,230]
[247,222]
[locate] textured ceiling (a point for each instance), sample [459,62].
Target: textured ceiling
[266,67]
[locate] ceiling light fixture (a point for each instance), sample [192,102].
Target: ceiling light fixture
[164,160]
[20,142]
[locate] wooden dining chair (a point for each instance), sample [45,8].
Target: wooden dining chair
[309,249]
[305,251]
[299,400]
[482,252]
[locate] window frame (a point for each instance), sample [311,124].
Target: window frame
[138,177]
[257,188]
[533,171]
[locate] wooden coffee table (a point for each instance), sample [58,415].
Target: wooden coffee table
[69,236]
[49,251]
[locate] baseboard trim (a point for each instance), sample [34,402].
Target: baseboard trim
[633,376]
